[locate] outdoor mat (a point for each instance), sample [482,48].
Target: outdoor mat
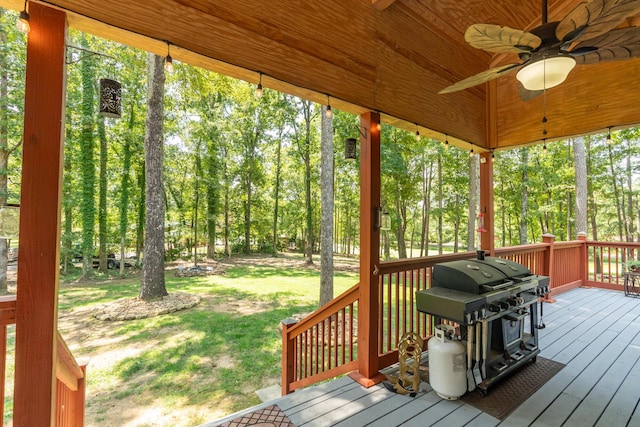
[271,416]
[504,397]
[507,395]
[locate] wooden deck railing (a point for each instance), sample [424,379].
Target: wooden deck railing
[606,263]
[70,377]
[70,387]
[322,345]
[318,348]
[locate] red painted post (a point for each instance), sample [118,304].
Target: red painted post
[289,356]
[547,269]
[368,307]
[40,195]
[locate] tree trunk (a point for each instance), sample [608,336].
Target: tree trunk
[426,209]
[580,166]
[152,286]
[326,194]
[592,205]
[4,152]
[276,194]
[87,204]
[142,186]
[306,156]
[196,203]
[67,206]
[102,200]
[225,173]
[401,225]
[474,197]
[616,192]
[440,204]
[212,193]
[630,193]
[524,204]
[124,187]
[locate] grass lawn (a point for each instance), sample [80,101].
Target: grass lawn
[192,366]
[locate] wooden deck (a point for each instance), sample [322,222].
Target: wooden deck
[594,332]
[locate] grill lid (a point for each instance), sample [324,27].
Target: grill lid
[477,276]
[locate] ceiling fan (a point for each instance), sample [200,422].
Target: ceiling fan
[587,35]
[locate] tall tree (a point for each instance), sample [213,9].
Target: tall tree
[102,197]
[580,165]
[616,191]
[474,197]
[125,179]
[524,205]
[301,123]
[326,191]
[87,148]
[152,285]
[440,203]
[11,90]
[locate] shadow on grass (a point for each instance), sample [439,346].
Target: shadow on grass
[204,354]
[214,355]
[259,271]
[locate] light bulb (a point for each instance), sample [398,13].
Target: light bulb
[259,87]
[168,64]
[329,113]
[23,21]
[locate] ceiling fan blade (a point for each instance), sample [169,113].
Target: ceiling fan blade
[608,54]
[480,78]
[495,38]
[618,37]
[618,44]
[594,18]
[526,94]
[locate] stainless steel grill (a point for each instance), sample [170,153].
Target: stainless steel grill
[500,297]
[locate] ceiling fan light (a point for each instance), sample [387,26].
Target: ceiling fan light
[546,73]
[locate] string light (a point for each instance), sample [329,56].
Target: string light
[259,87]
[378,127]
[329,113]
[608,140]
[168,61]
[544,146]
[417,132]
[493,156]
[446,141]
[23,20]
[471,153]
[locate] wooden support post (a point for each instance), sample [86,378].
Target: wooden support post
[487,242]
[547,269]
[41,191]
[368,308]
[289,361]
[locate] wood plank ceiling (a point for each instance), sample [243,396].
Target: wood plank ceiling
[391,56]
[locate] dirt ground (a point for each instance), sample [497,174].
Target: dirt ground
[81,329]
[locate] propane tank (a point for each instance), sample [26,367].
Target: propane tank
[447,364]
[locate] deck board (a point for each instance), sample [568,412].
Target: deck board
[594,332]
